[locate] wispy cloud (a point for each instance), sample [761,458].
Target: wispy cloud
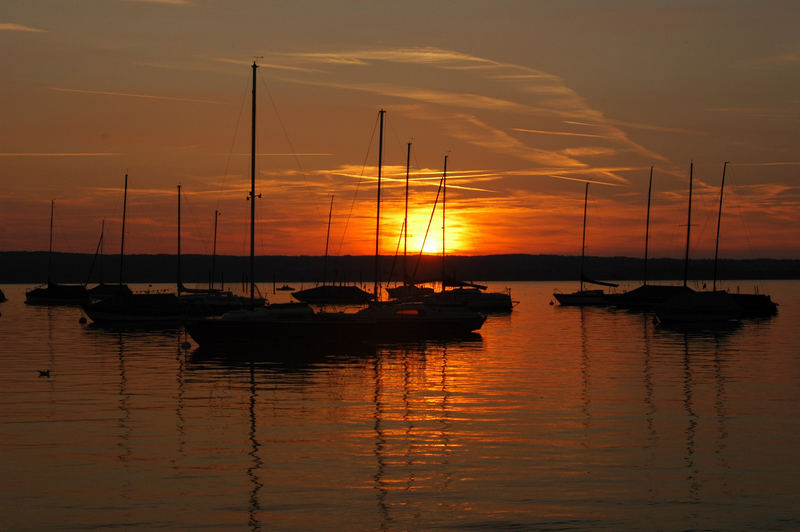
[170,2]
[262,64]
[10,26]
[560,133]
[61,154]
[134,95]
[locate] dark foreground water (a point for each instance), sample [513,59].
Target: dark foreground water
[552,419]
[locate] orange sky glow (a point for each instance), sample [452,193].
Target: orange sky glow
[527,99]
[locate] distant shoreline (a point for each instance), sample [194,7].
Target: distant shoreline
[31,267]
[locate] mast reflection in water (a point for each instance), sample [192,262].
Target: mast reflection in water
[552,417]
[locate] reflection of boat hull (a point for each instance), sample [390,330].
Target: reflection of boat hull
[136,308]
[57,294]
[582,298]
[473,299]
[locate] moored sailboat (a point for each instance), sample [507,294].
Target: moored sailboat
[716,306]
[55,293]
[332,294]
[298,323]
[584,297]
[647,296]
[125,307]
[409,289]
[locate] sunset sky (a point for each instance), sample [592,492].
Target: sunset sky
[527,98]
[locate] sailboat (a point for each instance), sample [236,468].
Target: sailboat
[126,307]
[298,324]
[409,319]
[584,297]
[54,293]
[472,296]
[331,294]
[409,289]
[205,301]
[716,306]
[647,296]
[104,290]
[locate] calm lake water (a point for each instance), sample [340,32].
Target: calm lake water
[551,419]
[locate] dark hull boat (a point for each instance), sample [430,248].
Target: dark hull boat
[333,295]
[212,302]
[103,290]
[297,324]
[716,306]
[57,294]
[54,293]
[405,321]
[581,298]
[136,308]
[409,291]
[473,299]
[277,325]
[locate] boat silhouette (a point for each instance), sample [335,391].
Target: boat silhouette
[584,297]
[53,293]
[298,323]
[716,306]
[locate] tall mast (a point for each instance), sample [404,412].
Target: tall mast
[50,251]
[647,225]
[405,220]
[688,228]
[122,239]
[719,220]
[378,215]
[178,277]
[327,240]
[444,217]
[583,238]
[214,252]
[252,197]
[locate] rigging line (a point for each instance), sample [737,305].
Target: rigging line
[235,133]
[737,204]
[358,185]
[425,238]
[396,252]
[288,140]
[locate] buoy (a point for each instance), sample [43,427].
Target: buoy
[44,372]
[82,320]
[551,303]
[186,345]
